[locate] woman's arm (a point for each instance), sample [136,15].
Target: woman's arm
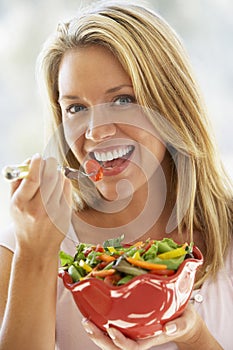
[41,213]
[192,332]
[29,321]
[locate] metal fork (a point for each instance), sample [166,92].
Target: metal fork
[16,172]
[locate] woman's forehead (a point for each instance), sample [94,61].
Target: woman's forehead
[92,67]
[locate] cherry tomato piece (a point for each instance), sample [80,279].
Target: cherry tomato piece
[92,166]
[87,251]
[99,248]
[164,272]
[113,279]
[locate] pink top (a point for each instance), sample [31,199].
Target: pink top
[214,302]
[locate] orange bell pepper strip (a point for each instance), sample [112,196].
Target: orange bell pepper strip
[146,265]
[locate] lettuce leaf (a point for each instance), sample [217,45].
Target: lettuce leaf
[114,242]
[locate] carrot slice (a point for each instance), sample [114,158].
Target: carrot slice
[146,265]
[106,257]
[103,273]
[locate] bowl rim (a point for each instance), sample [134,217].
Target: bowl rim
[198,260]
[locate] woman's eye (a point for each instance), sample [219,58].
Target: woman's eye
[124,100]
[75,109]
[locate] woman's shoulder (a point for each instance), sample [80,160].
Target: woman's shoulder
[7,237]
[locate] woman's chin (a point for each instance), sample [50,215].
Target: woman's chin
[114,196]
[122,190]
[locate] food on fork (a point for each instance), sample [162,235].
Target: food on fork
[92,167]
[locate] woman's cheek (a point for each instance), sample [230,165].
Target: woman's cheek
[74,130]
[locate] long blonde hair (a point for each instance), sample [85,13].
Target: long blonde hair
[153,56]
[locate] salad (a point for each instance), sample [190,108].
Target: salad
[116,263]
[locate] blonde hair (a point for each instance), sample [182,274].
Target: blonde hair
[152,55]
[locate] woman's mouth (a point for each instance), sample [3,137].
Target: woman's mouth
[113,160]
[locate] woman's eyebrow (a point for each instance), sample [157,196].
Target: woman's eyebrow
[117,88]
[109,91]
[67,97]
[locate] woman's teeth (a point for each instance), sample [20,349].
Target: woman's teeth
[110,155]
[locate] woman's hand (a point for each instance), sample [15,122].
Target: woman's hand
[188,331]
[41,207]
[41,211]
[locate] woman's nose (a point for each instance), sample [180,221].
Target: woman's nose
[101,123]
[100,132]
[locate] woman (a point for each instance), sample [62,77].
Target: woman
[121,91]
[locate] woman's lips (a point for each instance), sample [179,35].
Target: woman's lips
[114,161]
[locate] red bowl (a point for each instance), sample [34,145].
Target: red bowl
[140,307]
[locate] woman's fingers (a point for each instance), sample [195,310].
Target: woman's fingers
[98,337]
[49,179]
[23,191]
[29,186]
[15,184]
[115,339]
[41,203]
[66,198]
[186,328]
[121,341]
[182,329]
[61,198]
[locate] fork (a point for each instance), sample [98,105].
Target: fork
[16,172]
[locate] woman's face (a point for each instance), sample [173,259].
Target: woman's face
[102,120]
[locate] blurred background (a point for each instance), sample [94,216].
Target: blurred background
[205,26]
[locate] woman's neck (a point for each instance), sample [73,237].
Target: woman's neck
[145,215]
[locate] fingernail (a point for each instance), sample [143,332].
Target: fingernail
[157,333]
[170,328]
[111,333]
[86,326]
